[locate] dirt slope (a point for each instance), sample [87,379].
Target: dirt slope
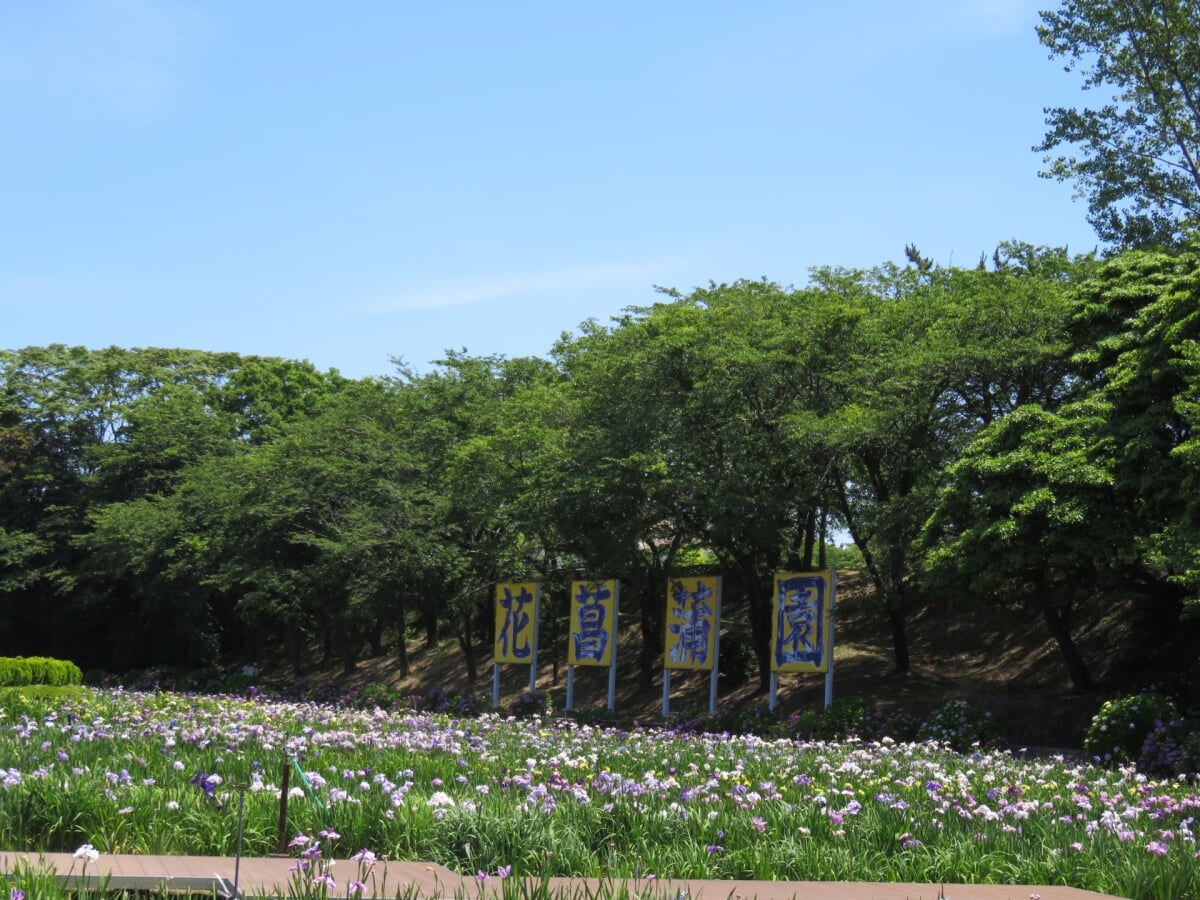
[1000,661]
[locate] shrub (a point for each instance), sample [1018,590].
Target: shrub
[98,678]
[199,680]
[439,700]
[379,694]
[843,718]
[848,717]
[467,706]
[531,703]
[1171,748]
[960,725]
[1122,725]
[758,719]
[155,678]
[15,671]
[801,726]
[235,683]
[73,675]
[436,701]
[898,725]
[20,670]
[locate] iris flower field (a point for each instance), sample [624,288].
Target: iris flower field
[166,773]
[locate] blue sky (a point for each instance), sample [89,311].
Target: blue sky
[346,183]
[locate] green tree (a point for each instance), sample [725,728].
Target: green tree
[503,473]
[1138,329]
[943,353]
[479,425]
[67,410]
[309,539]
[358,507]
[1138,162]
[751,464]
[265,394]
[689,442]
[888,440]
[1089,489]
[1026,519]
[100,438]
[617,489]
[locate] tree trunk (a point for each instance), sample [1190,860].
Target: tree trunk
[899,636]
[890,588]
[1056,622]
[345,639]
[429,621]
[810,539]
[297,651]
[401,641]
[553,650]
[468,650]
[327,646]
[652,638]
[823,537]
[648,583]
[759,609]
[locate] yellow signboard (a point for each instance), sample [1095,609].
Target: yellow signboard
[593,623]
[691,623]
[801,638]
[516,621]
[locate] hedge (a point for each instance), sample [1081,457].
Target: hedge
[17,671]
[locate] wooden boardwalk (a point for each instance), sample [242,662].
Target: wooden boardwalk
[272,877]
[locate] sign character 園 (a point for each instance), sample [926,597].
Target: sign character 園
[800,623]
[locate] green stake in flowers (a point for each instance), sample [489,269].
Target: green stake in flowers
[237,860]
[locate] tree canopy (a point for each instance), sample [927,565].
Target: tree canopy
[1135,155]
[957,423]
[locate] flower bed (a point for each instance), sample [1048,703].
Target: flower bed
[165,773]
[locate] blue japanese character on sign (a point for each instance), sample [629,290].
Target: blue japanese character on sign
[799,622]
[591,635]
[695,627]
[516,631]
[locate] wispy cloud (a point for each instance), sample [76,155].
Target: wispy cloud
[119,55]
[970,19]
[481,289]
[1005,16]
